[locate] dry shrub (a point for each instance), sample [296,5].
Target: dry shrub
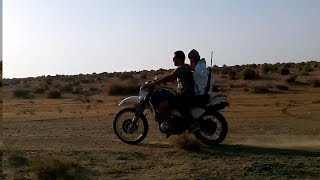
[282,87]
[124,88]
[315,82]
[260,90]
[186,142]
[143,76]
[17,159]
[53,168]
[54,94]
[77,90]
[38,90]
[66,88]
[249,74]
[284,70]
[22,93]
[238,85]
[291,79]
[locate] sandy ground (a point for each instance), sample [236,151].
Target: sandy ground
[272,136]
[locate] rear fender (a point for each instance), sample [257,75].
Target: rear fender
[217,103]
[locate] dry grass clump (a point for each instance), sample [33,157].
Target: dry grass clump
[124,88]
[249,74]
[17,159]
[22,93]
[53,168]
[54,94]
[186,142]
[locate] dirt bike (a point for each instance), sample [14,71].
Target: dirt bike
[131,125]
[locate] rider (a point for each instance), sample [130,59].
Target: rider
[185,90]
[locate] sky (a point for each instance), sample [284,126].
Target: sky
[85,36]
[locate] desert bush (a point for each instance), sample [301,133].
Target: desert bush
[49,80]
[284,70]
[75,83]
[123,88]
[53,168]
[282,87]
[264,69]
[86,81]
[66,88]
[44,85]
[143,76]
[38,90]
[291,79]
[254,66]
[22,93]
[93,89]
[77,90]
[57,85]
[307,68]
[249,74]
[260,90]
[54,94]
[315,82]
[17,159]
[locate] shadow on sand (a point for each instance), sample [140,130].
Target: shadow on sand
[238,150]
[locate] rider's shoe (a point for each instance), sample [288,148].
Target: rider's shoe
[164,127]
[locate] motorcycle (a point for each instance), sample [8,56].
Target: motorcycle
[131,125]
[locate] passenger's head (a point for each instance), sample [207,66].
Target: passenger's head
[179,58]
[194,57]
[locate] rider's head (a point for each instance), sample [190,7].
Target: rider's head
[179,58]
[194,57]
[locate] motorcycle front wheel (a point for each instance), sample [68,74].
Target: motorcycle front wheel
[122,122]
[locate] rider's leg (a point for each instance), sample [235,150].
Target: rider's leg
[165,112]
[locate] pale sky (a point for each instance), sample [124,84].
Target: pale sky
[49,37]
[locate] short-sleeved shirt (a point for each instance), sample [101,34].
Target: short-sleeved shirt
[185,80]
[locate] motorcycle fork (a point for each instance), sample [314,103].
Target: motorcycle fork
[136,118]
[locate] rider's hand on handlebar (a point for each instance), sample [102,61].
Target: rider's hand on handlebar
[151,86]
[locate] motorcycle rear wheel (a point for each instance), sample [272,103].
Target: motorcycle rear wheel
[209,125]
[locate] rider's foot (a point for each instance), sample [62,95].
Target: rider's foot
[194,126]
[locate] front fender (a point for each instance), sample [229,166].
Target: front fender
[131,99]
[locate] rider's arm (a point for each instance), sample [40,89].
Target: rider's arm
[166,79]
